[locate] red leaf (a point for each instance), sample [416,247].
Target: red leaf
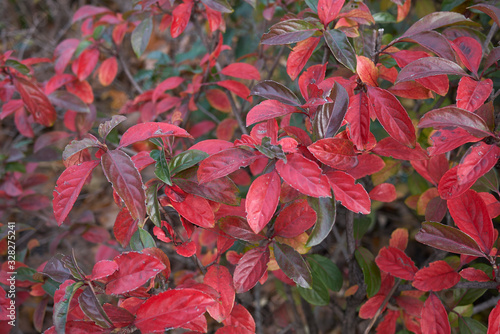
[474,275]
[186,249]
[63,53]
[384,192]
[335,152]
[237,88]
[367,71]
[218,100]
[389,147]
[328,10]
[358,117]
[87,11]
[238,228]
[134,270]
[410,304]
[195,209]
[367,164]
[85,63]
[300,55]
[250,269]
[268,109]
[36,102]
[303,175]
[395,262]
[242,71]
[353,196]
[107,71]
[455,117]
[262,200]
[145,131]
[399,238]
[226,128]
[471,94]
[372,305]
[471,216]
[388,324]
[294,219]
[167,84]
[103,269]
[241,318]
[434,317]
[57,81]
[126,180]
[180,17]
[82,89]
[68,188]
[23,123]
[392,116]
[124,227]
[219,278]
[171,309]
[446,140]
[411,90]
[432,169]
[223,163]
[494,320]
[436,277]
[470,52]
[477,161]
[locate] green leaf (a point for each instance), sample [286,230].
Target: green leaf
[313,4]
[341,48]
[21,68]
[384,17]
[61,309]
[370,270]
[325,218]
[293,265]
[470,326]
[271,151]
[325,271]
[152,205]
[26,274]
[141,239]
[318,295]
[362,225]
[185,160]
[161,171]
[50,286]
[141,36]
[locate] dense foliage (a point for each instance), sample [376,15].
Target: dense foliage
[343,154]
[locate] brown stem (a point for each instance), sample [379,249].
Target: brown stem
[127,71]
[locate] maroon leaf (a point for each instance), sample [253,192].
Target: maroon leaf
[455,117]
[293,265]
[471,94]
[134,270]
[433,21]
[471,216]
[250,269]
[353,196]
[395,262]
[68,188]
[76,146]
[434,42]
[145,131]
[438,276]
[262,200]
[492,58]
[289,31]
[329,116]
[491,11]
[268,109]
[434,317]
[294,219]
[389,147]
[448,238]
[427,67]
[303,175]
[126,180]
[238,228]
[171,309]
[275,91]
[223,163]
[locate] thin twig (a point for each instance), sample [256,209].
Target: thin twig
[127,72]
[485,305]
[490,35]
[208,113]
[275,63]
[382,306]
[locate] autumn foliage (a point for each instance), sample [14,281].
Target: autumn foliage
[344,153]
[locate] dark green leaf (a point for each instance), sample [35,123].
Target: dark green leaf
[325,218]
[271,151]
[341,49]
[325,271]
[185,160]
[141,36]
[362,225]
[61,309]
[467,296]
[318,295]
[293,265]
[26,274]
[141,239]
[384,17]
[370,270]
[162,170]
[313,4]
[68,101]
[50,286]
[21,68]
[152,205]
[93,309]
[470,326]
